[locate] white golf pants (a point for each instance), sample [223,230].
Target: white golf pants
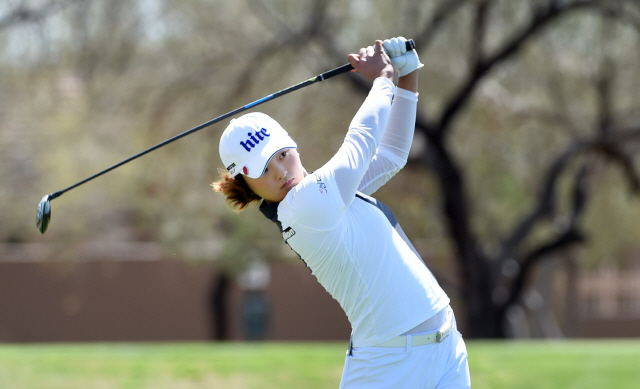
[430,366]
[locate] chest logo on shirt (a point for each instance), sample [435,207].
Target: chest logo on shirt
[288,233]
[321,185]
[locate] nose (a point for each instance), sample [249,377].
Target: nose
[280,172]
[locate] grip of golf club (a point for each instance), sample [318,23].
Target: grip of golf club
[410,44]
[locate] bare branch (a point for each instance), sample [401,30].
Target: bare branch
[604,142]
[616,153]
[579,196]
[571,235]
[444,10]
[23,14]
[568,238]
[541,19]
[478,33]
[603,86]
[287,37]
[546,202]
[612,148]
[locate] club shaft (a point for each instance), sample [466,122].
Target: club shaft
[321,77]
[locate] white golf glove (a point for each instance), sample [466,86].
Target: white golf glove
[403,61]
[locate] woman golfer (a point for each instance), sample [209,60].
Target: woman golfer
[404,332]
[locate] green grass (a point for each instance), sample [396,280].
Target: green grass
[566,365]
[560,364]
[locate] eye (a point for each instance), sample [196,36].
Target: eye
[283,154]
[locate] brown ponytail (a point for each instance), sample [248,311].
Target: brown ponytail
[236,190]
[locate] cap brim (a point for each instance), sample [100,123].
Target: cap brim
[256,166]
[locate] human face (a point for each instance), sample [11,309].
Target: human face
[284,171]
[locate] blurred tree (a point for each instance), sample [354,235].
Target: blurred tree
[527,125]
[497,32]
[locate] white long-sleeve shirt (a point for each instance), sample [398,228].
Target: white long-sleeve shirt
[353,243]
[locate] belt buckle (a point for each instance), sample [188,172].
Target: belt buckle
[444,331]
[441,335]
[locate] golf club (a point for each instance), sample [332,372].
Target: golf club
[43,214]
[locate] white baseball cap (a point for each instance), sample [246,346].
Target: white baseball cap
[249,142]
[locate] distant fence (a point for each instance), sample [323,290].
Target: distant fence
[610,293]
[130,292]
[134,294]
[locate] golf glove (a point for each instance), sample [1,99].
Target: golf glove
[403,61]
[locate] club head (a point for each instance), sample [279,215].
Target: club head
[43,215]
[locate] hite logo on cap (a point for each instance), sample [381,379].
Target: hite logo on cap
[250,143]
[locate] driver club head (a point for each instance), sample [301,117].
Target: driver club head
[43,215]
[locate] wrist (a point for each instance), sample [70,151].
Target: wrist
[387,72]
[409,81]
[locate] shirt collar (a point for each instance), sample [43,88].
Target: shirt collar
[270,211]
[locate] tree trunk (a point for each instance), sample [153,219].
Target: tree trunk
[219,311]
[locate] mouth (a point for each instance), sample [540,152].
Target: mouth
[288,184]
